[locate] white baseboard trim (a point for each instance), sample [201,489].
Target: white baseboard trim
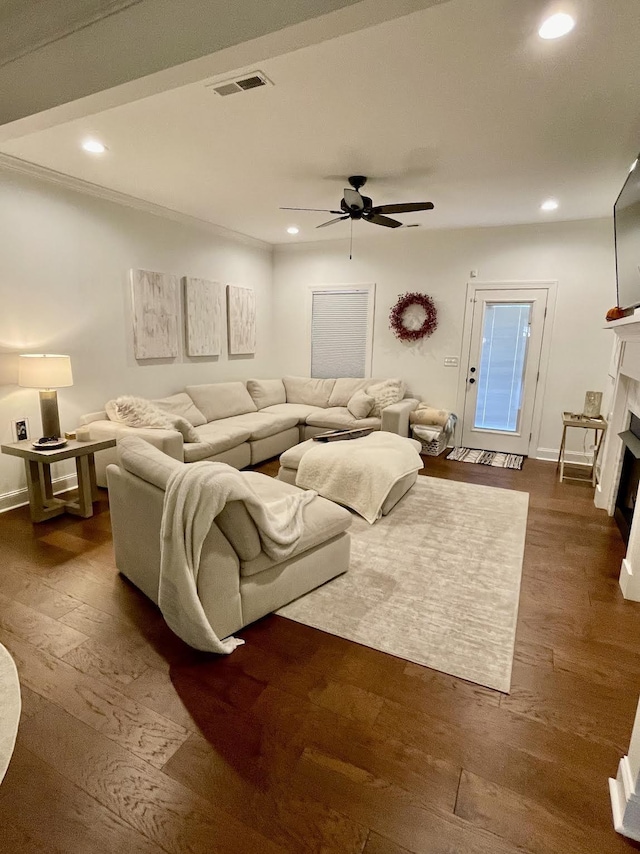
[576,458]
[20,497]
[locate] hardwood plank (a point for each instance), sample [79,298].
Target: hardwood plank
[526,824]
[263,798]
[37,629]
[116,667]
[109,712]
[158,807]
[54,814]
[31,591]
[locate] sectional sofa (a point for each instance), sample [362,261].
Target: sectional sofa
[245,423]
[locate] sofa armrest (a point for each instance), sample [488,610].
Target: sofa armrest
[168,441]
[395,417]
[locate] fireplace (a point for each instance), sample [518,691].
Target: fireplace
[629,478]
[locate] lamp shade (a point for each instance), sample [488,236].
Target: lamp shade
[44,371]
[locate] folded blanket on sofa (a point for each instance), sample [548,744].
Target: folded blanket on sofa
[194,496]
[359,473]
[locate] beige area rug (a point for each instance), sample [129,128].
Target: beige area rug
[9,708]
[437,581]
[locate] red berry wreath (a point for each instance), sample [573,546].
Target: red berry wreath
[397,317]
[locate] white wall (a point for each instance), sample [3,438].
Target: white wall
[64,288]
[579,255]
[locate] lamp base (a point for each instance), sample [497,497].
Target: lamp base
[49,414]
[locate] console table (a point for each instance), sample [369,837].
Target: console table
[42,503]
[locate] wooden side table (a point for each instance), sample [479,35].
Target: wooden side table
[42,503]
[598,425]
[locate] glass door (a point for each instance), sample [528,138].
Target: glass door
[506,342]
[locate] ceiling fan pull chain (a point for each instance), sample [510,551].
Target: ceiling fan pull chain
[351,240]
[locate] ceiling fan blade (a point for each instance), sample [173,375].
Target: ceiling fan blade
[320,210]
[377,219]
[408,207]
[331,221]
[353,199]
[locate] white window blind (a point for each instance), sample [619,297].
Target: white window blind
[339,333]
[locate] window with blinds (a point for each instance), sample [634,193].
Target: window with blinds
[339,333]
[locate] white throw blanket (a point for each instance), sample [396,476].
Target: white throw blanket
[358,473]
[195,494]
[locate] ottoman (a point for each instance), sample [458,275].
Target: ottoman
[290,460]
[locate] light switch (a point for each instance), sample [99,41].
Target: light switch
[451,361]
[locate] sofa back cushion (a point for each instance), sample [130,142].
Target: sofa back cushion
[221,400]
[181,404]
[313,392]
[346,387]
[266,392]
[145,461]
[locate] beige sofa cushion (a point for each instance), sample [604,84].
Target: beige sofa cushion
[181,404]
[215,438]
[266,392]
[313,392]
[301,411]
[339,416]
[239,528]
[142,459]
[221,400]
[322,520]
[361,404]
[260,425]
[346,387]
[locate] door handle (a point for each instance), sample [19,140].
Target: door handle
[472,380]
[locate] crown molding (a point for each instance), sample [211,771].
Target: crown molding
[25,167]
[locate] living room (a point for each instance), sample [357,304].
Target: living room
[187,187]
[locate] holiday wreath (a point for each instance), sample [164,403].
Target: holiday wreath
[405,318]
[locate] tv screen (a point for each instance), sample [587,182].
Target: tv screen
[626,216]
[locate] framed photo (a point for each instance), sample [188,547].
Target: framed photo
[20,429]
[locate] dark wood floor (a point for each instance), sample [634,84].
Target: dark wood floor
[301,741]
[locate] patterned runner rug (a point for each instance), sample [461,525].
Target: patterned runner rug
[487,458]
[436,582]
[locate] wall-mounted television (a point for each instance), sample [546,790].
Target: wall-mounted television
[626,217]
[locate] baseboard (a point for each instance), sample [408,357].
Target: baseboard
[20,497]
[576,458]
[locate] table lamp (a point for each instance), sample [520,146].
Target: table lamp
[46,373]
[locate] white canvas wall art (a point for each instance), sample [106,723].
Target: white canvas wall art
[155,314]
[241,309]
[203,317]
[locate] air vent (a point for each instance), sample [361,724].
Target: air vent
[241,84]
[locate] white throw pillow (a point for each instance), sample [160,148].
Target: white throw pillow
[360,404]
[138,412]
[384,394]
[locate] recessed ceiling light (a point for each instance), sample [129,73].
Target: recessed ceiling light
[633,165]
[549,205]
[293,229]
[94,146]
[556,26]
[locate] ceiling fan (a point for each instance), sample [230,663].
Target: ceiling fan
[354,205]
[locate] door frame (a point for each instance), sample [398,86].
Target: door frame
[551,286]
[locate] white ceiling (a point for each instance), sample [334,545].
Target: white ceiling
[461,104]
